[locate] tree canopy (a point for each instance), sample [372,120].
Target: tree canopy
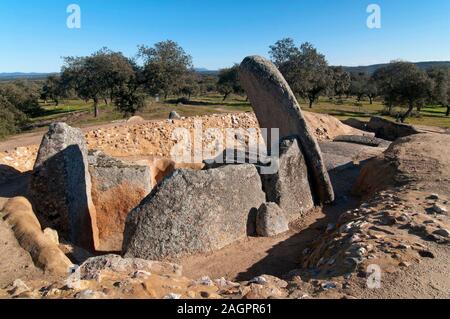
[166,64]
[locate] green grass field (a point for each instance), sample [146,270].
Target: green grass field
[80,113]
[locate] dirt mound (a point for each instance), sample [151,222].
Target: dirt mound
[154,138]
[327,127]
[402,225]
[420,159]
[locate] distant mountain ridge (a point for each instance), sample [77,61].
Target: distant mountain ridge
[372,68]
[367,69]
[23,75]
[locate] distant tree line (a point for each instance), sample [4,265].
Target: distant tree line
[399,83]
[19,101]
[165,70]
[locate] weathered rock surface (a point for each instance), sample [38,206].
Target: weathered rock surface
[289,187]
[271,220]
[117,187]
[18,213]
[174,115]
[389,130]
[276,107]
[94,267]
[359,139]
[60,186]
[193,212]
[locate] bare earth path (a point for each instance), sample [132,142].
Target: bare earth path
[276,256]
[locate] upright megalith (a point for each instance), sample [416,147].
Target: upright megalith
[60,187]
[193,212]
[117,187]
[276,107]
[289,186]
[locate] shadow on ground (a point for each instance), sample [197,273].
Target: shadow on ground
[286,255]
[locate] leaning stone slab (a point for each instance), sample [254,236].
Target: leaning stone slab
[117,187]
[276,107]
[289,187]
[60,187]
[194,212]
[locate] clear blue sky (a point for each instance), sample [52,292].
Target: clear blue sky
[218,33]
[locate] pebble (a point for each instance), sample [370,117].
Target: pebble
[205,281]
[260,280]
[172,296]
[328,285]
[439,209]
[404,264]
[18,287]
[442,232]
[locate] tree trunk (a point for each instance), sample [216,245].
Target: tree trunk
[225,96]
[448,111]
[405,116]
[370,100]
[106,101]
[96,111]
[311,101]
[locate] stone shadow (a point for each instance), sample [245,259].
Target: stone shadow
[287,255]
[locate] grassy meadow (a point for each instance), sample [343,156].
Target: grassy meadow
[80,113]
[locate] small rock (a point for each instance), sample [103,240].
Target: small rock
[426,254]
[442,232]
[174,115]
[90,294]
[141,274]
[18,287]
[172,296]
[205,281]
[433,196]
[222,282]
[439,209]
[328,285]
[271,220]
[260,280]
[403,246]
[205,294]
[404,264]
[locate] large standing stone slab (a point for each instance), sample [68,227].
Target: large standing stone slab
[193,212]
[289,187]
[60,186]
[276,107]
[117,188]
